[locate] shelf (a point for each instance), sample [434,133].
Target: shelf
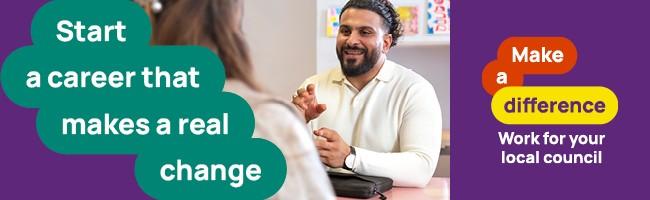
[425,40]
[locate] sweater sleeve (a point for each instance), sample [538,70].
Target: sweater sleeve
[420,135]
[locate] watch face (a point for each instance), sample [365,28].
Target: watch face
[349,161]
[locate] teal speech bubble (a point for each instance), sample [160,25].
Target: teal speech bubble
[171,129]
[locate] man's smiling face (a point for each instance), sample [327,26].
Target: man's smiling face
[361,41]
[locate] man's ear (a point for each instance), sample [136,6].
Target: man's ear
[388,41]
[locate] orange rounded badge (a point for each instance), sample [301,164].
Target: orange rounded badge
[538,55]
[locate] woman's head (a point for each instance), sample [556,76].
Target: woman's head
[215,24]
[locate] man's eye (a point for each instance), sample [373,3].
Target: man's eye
[344,31]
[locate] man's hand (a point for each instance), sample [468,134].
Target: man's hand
[305,101]
[333,149]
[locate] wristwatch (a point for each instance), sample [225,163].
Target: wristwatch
[349,160]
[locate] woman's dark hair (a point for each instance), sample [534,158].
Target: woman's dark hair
[384,9]
[209,23]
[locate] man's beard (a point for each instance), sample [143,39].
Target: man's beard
[350,69]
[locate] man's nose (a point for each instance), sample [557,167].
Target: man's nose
[353,39]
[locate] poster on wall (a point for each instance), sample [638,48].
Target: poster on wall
[333,21]
[409,18]
[438,17]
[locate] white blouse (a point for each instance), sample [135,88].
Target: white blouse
[306,176]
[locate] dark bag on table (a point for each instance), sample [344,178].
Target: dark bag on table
[359,186]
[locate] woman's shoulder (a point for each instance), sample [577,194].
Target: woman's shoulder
[274,117]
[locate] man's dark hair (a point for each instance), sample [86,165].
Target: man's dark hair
[384,9]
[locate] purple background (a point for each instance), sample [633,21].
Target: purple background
[612,42]
[30,170]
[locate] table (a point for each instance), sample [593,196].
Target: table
[436,189]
